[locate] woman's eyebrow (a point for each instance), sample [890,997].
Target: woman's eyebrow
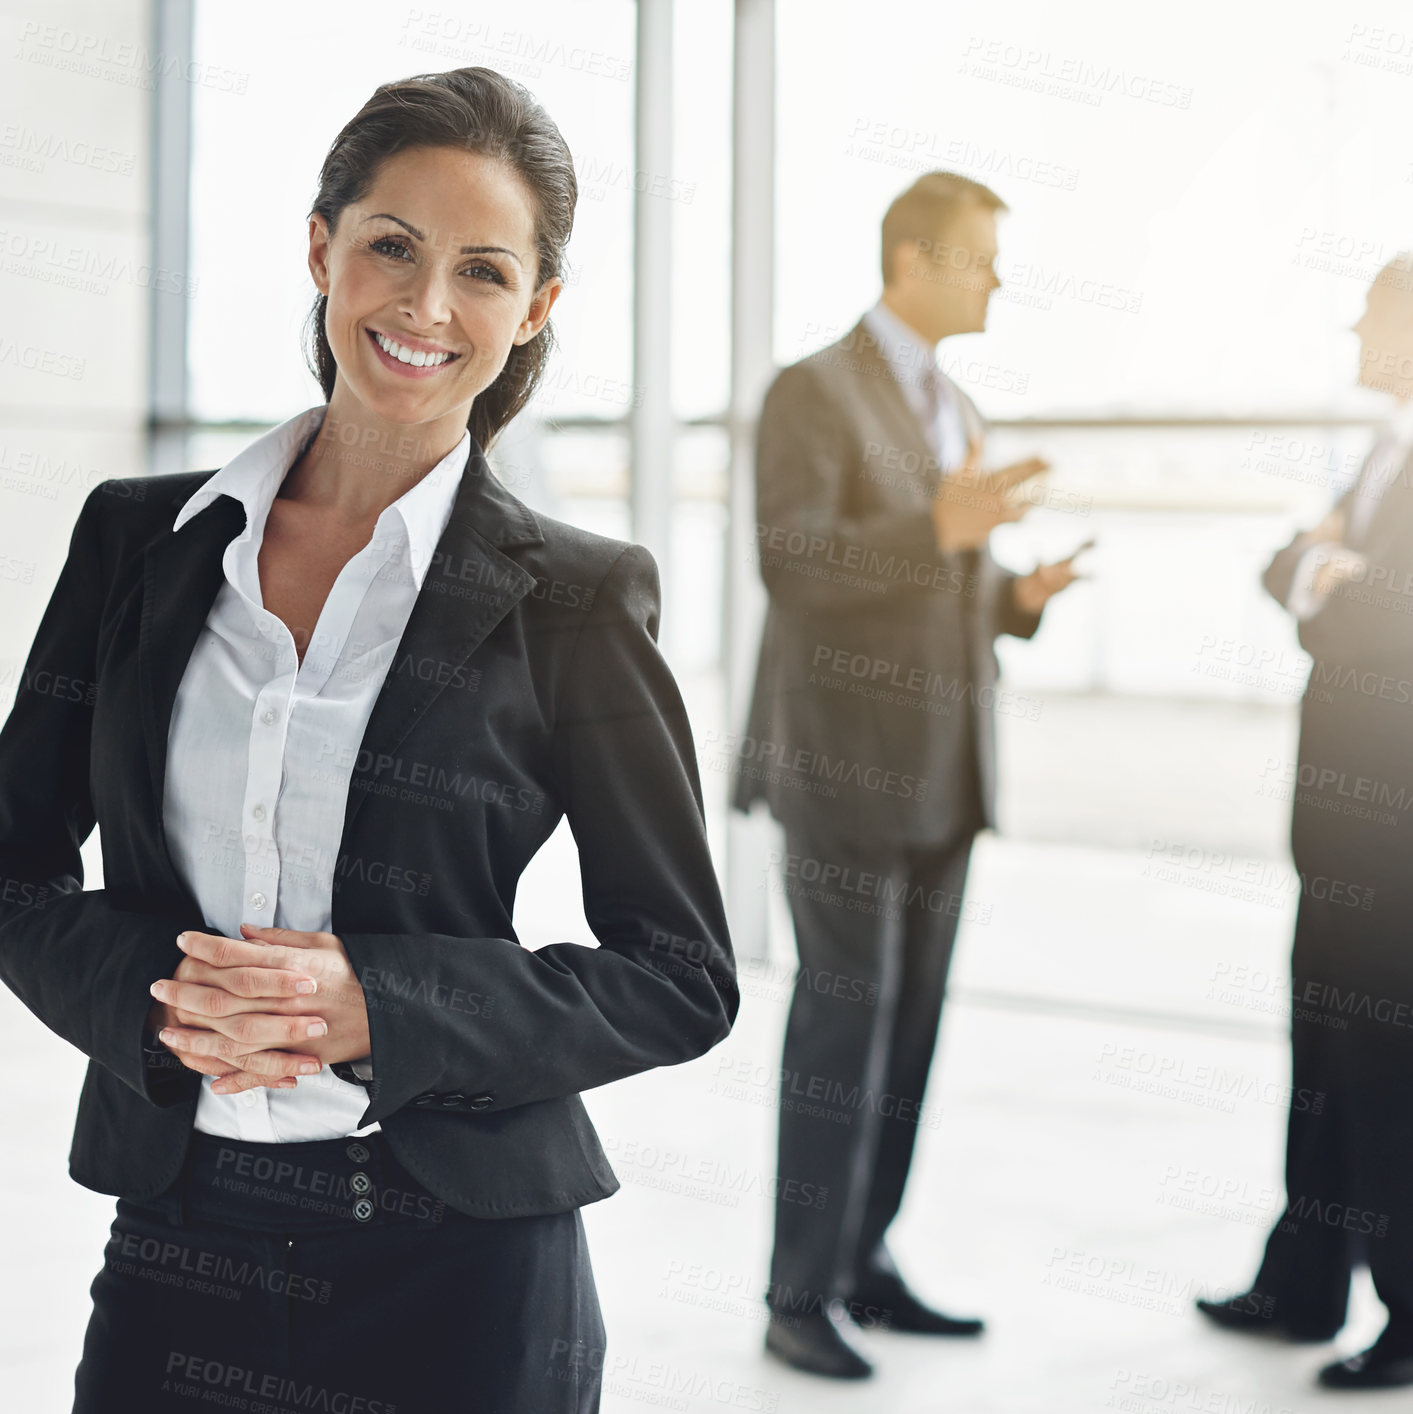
[465,250]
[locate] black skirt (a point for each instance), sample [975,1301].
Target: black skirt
[289,1278]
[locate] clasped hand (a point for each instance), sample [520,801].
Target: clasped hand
[261,1009]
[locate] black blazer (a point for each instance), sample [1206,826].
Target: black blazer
[527,686]
[876,688]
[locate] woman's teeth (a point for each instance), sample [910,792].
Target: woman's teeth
[403,354]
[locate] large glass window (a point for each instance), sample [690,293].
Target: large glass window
[1196,209]
[256,159]
[256,155]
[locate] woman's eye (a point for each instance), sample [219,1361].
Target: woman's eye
[393,246]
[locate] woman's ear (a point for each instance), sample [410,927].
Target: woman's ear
[319,252]
[539,310]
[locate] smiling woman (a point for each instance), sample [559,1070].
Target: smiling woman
[457,225]
[345,687]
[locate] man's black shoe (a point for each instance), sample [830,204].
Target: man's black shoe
[1246,1314]
[1387,1364]
[886,1303]
[813,1342]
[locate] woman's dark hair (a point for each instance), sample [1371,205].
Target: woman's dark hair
[476,110]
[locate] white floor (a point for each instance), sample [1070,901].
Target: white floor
[1106,1069]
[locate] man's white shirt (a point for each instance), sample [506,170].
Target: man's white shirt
[910,357]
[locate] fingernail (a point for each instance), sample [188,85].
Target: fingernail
[166,1037]
[181,941]
[317,1028]
[309,1068]
[156,989]
[306,985]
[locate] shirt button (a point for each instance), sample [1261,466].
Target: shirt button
[247,1098]
[269,715]
[258,811]
[258,900]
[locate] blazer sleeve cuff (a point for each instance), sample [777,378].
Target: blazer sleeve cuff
[154,1072]
[1012,619]
[424,1008]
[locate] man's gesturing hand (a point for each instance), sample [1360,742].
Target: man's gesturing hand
[1034,590]
[236,1004]
[970,503]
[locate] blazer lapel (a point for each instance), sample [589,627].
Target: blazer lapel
[182,572]
[860,344]
[445,628]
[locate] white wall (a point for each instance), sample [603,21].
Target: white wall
[74,283]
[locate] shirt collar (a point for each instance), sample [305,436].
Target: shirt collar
[254,475]
[907,352]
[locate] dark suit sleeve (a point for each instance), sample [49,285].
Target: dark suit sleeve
[661,987]
[81,964]
[1010,617]
[1367,624]
[813,550]
[1280,573]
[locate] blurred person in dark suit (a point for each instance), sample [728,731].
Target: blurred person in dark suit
[871,737]
[1349,1147]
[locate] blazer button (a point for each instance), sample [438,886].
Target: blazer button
[479,1102]
[452,1100]
[426,1098]
[358,1153]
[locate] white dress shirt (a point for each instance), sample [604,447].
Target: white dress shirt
[1384,462]
[913,360]
[262,747]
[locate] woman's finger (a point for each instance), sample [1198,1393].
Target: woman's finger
[279,1063]
[209,1003]
[221,1069]
[236,952]
[235,1081]
[215,1004]
[264,982]
[251,1032]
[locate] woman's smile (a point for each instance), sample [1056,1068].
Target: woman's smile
[411,360]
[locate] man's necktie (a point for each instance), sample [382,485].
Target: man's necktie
[930,381]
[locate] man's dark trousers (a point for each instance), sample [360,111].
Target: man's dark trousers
[874,950]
